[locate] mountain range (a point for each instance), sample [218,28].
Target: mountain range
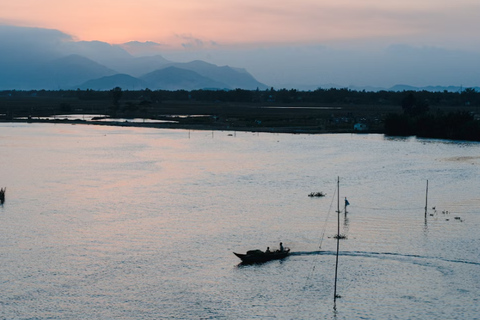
[101,66]
[115,67]
[177,76]
[36,59]
[78,72]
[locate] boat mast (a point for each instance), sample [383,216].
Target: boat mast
[338,240]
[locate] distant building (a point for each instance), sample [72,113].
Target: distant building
[360,127]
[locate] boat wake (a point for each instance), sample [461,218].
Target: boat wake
[381,255]
[307,253]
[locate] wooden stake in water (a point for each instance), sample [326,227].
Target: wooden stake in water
[426,200]
[338,240]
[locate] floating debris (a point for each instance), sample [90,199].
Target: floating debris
[317,194]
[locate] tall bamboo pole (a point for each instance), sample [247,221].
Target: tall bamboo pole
[338,239]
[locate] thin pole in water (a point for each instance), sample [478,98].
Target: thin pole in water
[338,240]
[426,200]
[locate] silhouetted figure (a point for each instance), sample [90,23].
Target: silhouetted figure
[281,247]
[268,250]
[346,204]
[2,195]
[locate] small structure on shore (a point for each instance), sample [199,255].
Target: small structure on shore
[360,127]
[2,195]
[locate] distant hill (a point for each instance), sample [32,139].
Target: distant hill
[75,71]
[66,72]
[101,52]
[123,81]
[173,78]
[396,88]
[138,66]
[34,59]
[233,77]
[37,58]
[402,87]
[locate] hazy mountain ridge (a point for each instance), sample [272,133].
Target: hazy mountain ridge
[36,58]
[27,65]
[397,88]
[232,77]
[177,76]
[173,78]
[76,71]
[402,87]
[124,81]
[69,71]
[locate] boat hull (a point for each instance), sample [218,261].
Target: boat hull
[261,257]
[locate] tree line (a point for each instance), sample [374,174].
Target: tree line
[422,114]
[464,97]
[418,120]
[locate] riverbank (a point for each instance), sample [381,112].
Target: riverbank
[192,126]
[272,117]
[261,116]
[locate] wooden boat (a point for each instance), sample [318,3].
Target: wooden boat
[259,256]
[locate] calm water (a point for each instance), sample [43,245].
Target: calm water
[125,223]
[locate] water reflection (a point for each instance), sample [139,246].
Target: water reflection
[108,215]
[346,222]
[95,117]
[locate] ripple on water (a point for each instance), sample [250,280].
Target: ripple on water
[141,224]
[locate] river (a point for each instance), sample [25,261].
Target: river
[135,223]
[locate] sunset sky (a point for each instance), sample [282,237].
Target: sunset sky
[433,22]
[210,28]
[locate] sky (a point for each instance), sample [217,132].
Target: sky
[282,41]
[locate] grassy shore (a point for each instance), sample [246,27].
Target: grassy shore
[256,117]
[266,117]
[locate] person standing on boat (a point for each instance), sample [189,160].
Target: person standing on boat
[281,247]
[268,250]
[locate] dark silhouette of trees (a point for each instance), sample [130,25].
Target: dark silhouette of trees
[416,120]
[414,107]
[116,95]
[398,125]
[413,102]
[420,116]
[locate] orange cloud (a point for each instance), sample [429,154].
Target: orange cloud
[242,21]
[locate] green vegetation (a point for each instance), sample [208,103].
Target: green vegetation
[419,121]
[449,115]
[320,96]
